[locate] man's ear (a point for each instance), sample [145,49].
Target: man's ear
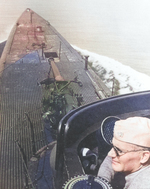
[145,157]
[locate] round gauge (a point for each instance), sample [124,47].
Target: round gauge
[87,182]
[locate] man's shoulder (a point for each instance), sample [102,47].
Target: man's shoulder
[144,173]
[142,179]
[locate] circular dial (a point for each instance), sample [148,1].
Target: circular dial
[88,182]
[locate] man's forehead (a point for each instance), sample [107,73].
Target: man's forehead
[122,145]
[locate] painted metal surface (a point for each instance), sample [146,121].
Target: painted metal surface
[26,75]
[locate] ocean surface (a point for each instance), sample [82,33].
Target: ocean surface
[129,79]
[115,34]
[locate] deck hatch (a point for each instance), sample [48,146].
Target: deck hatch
[51,55]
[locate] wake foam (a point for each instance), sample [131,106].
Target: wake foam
[129,79]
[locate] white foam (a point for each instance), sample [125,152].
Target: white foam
[130,80]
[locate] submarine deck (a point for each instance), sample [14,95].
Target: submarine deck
[24,63]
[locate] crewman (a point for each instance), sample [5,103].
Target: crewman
[128,162]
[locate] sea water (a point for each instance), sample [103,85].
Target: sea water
[114,33]
[129,79]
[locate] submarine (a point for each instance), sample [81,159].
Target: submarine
[52,107]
